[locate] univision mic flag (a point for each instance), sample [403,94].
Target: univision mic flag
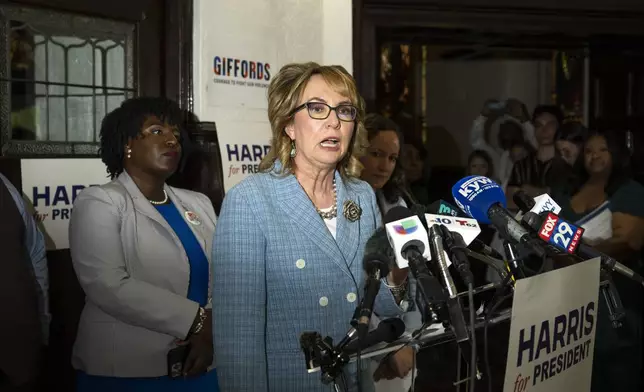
[552,335]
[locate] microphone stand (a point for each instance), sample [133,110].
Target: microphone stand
[513,261]
[456,317]
[616,311]
[331,360]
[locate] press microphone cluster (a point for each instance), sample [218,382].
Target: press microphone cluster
[484,200]
[567,237]
[419,240]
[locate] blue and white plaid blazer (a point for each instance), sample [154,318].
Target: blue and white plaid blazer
[278,272]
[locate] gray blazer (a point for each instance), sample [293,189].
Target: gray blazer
[135,275]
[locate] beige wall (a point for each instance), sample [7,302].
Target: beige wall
[456,91]
[270,32]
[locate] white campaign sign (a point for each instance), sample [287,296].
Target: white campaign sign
[50,187]
[243,145]
[238,50]
[552,335]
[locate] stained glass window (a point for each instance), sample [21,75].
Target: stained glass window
[59,75]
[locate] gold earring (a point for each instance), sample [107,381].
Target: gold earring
[293,149]
[129,153]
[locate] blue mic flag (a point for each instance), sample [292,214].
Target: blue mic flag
[476,194]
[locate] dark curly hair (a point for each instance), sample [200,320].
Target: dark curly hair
[621,170]
[484,156]
[396,186]
[125,122]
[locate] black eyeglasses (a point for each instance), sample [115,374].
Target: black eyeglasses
[321,111]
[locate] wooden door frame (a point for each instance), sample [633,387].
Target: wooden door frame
[177,36]
[163,61]
[369,19]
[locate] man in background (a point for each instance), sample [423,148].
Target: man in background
[23,293]
[532,174]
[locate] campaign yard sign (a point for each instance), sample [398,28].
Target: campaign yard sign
[552,335]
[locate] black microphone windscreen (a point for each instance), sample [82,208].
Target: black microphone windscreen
[378,251]
[397,213]
[523,201]
[395,328]
[441,207]
[387,331]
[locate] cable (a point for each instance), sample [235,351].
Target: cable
[358,370]
[410,341]
[473,367]
[358,352]
[487,260]
[413,370]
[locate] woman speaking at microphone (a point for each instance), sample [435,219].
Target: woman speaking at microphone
[140,250]
[288,250]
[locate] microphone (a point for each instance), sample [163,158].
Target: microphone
[441,207]
[484,200]
[537,205]
[378,254]
[442,261]
[407,236]
[468,229]
[427,283]
[523,201]
[409,240]
[456,246]
[387,331]
[566,237]
[441,212]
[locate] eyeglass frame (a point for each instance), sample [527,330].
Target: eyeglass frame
[331,109]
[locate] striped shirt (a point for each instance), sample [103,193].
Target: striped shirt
[531,171]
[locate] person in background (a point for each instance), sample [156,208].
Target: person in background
[383,171]
[382,168]
[532,174]
[24,285]
[520,149]
[289,246]
[497,128]
[569,142]
[140,249]
[417,169]
[608,204]
[480,163]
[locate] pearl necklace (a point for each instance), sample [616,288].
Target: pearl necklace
[157,203]
[327,215]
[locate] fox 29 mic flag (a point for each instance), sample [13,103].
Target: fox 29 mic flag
[552,335]
[476,194]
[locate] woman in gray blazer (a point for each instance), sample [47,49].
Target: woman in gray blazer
[289,246]
[140,250]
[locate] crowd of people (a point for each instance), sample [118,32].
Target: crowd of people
[178,298]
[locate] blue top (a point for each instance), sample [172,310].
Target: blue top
[198,292]
[199,268]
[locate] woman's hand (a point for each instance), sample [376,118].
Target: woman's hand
[201,352]
[397,366]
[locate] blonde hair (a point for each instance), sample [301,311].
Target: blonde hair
[284,93]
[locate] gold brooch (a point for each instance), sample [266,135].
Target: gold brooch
[351,210]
